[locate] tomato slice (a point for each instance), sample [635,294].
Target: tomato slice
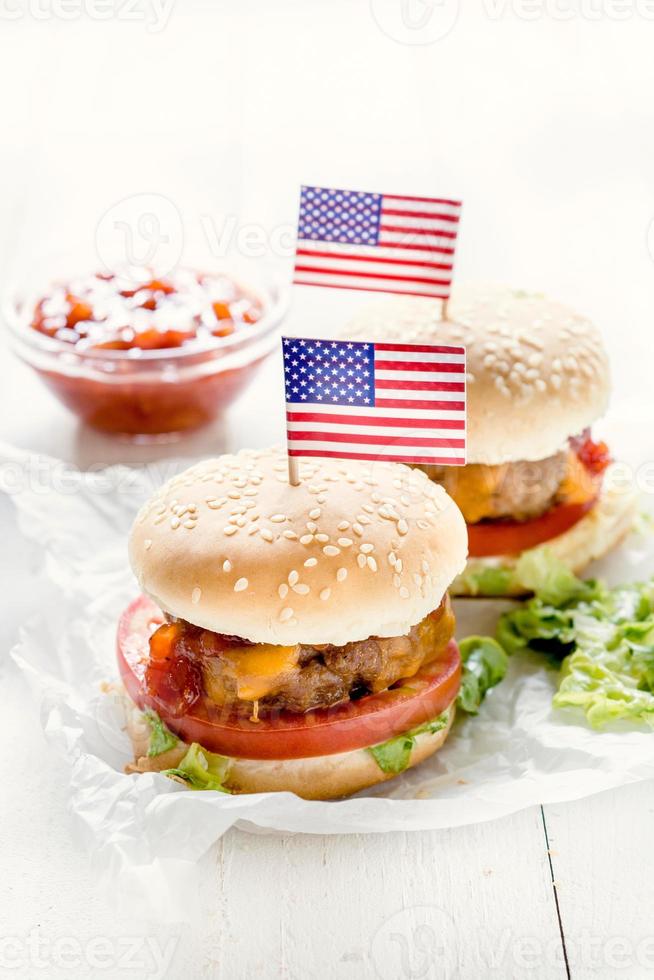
[512,537]
[285,734]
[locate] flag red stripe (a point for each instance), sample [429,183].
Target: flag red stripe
[419,366]
[374,420]
[370,440]
[425,200]
[420,214]
[368,289]
[421,386]
[405,230]
[421,348]
[324,454]
[417,403]
[444,249]
[373,275]
[310,253]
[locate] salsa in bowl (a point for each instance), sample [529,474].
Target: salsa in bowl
[138,355]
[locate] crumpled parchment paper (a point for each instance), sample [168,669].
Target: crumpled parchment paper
[146,830]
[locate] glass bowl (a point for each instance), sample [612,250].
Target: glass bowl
[157,394]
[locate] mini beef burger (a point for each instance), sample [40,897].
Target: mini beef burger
[292,638]
[534,492]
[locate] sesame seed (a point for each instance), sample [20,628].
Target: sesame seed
[343,526]
[293,577]
[361,561]
[227,565]
[341,574]
[241,585]
[345,542]
[312,527]
[266,534]
[315,513]
[322,538]
[367,548]
[196,595]
[230,529]
[283,590]
[310,562]
[291,535]
[301,589]
[392,558]
[147,544]
[357,529]
[331,551]
[372,564]
[402,527]
[306,539]
[253,529]
[369,508]
[278,518]
[175,522]
[325,594]
[425,566]
[234,495]
[285,614]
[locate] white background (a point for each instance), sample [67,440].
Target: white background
[540,117]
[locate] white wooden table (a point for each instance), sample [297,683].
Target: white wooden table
[542,126]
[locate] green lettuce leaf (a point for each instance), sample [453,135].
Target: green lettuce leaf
[201,769]
[484,665]
[605,638]
[537,570]
[481,579]
[161,738]
[393,756]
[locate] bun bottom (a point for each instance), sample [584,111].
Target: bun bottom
[326,777]
[598,532]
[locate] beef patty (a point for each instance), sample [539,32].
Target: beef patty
[302,677]
[517,491]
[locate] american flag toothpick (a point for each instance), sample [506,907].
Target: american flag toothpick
[380,242]
[356,400]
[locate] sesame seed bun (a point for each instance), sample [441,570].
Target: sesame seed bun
[323,777]
[356,550]
[537,371]
[597,533]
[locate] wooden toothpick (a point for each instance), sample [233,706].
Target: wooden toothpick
[293,472]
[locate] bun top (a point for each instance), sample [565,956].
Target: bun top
[537,371]
[357,550]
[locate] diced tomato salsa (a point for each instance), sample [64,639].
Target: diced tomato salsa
[114,312]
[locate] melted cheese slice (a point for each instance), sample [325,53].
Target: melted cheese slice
[579,485]
[475,487]
[258,671]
